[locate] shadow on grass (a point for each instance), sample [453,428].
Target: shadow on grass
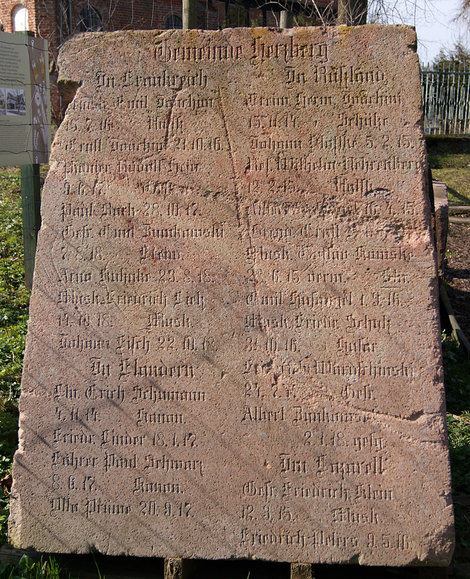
[462,199]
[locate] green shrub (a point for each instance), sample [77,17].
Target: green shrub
[26,568]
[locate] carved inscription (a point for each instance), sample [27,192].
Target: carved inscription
[233,347]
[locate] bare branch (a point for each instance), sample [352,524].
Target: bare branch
[352,12]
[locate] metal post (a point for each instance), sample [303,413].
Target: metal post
[31,209]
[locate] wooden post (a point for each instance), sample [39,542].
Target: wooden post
[285,20]
[31,202]
[189,14]
[301,571]
[173,569]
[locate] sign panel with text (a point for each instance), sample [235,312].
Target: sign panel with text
[24,100]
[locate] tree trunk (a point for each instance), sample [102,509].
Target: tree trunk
[352,12]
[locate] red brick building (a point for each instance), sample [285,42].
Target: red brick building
[56,20]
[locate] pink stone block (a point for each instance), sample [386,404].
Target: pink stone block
[234,344]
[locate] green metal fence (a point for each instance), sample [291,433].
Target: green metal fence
[446,99]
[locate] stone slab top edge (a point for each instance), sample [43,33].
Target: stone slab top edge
[81,44]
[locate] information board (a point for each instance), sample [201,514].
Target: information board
[24,100]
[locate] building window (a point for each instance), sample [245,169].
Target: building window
[20,19]
[173,21]
[90,20]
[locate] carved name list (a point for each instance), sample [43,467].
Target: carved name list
[234,347]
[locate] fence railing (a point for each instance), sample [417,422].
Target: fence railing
[446,99]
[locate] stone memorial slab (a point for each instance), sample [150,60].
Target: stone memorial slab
[234,343]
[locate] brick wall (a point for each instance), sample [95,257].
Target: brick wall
[6,10]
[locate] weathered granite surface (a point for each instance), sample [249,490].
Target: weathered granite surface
[234,344]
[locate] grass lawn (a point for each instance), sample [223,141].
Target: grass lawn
[450,163]
[458,183]
[13,320]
